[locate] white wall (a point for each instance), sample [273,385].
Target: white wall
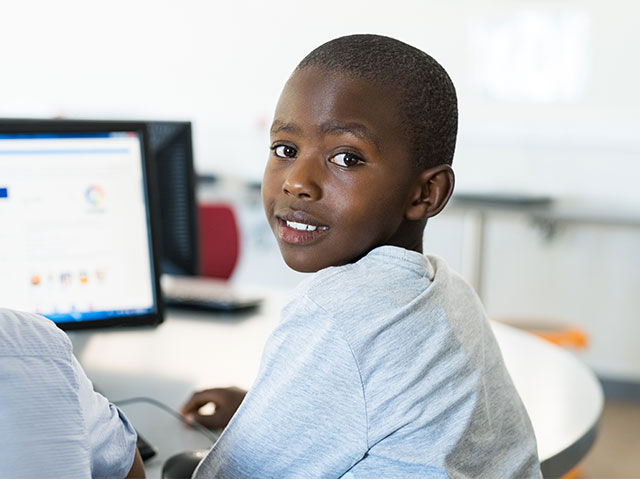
[548,93]
[222,64]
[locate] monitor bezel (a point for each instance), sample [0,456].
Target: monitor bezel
[186,126]
[8,125]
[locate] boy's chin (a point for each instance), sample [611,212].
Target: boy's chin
[306,263]
[302,266]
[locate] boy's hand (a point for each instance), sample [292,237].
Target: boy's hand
[225,400]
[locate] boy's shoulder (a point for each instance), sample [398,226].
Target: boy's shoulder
[381,269]
[380,257]
[386,279]
[23,333]
[388,283]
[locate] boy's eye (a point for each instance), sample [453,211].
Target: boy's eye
[284,151]
[345,159]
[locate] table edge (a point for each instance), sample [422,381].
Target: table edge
[556,465]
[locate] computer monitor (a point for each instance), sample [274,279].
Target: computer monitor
[171,150]
[171,153]
[77,242]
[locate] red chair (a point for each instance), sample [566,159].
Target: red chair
[219,240]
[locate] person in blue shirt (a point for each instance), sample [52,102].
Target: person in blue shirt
[384,363]
[52,423]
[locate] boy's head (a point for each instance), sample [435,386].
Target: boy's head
[362,141]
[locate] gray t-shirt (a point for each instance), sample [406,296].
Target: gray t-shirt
[382,368]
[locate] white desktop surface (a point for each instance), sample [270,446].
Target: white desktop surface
[195,350]
[562,396]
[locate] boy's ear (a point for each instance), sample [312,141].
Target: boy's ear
[432,191]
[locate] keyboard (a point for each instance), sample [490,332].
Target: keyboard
[206,293]
[146,449]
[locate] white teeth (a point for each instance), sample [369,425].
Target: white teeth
[301,226]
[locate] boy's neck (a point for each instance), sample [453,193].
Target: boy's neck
[409,236]
[414,246]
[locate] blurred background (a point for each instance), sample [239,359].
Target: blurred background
[549,115]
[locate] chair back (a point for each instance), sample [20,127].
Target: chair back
[219,240]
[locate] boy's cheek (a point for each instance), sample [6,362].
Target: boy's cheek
[269,187]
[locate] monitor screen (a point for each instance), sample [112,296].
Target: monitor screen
[76,241]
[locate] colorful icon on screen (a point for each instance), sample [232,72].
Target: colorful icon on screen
[100,275]
[95,195]
[65,278]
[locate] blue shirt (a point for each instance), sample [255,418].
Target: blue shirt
[52,423]
[383,368]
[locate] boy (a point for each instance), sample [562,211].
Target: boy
[383,364]
[52,423]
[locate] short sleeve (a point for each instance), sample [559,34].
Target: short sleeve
[52,423]
[111,438]
[305,415]
[41,430]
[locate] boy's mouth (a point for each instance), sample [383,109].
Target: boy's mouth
[298,228]
[303,227]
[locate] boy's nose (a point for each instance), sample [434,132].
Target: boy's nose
[302,180]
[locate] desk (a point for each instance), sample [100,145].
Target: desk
[189,351]
[197,350]
[562,396]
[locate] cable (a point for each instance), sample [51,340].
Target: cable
[192,423]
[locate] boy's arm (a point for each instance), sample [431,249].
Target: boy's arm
[225,400]
[305,414]
[137,469]
[112,439]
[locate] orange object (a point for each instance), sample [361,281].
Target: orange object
[219,240]
[575,472]
[568,337]
[557,333]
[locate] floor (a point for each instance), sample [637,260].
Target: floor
[616,452]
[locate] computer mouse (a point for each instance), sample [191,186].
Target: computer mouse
[182,465]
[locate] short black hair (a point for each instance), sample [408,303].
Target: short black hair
[426,95]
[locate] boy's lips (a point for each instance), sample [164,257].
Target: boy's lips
[299,228]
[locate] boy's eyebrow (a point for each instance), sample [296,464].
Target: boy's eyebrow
[280,126]
[356,129]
